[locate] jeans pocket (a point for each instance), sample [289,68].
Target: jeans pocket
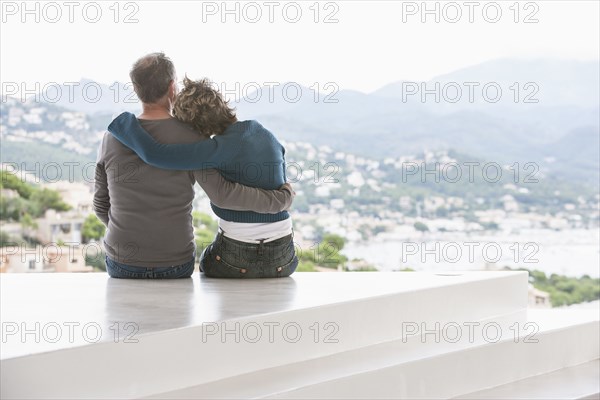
[280,253]
[213,265]
[231,271]
[287,269]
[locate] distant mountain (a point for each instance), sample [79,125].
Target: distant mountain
[560,82]
[386,124]
[577,154]
[563,125]
[92,97]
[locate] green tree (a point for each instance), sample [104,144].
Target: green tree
[368,268]
[4,239]
[11,209]
[11,181]
[490,226]
[92,229]
[45,199]
[441,212]
[421,227]
[27,224]
[566,290]
[204,221]
[328,252]
[305,266]
[205,229]
[334,240]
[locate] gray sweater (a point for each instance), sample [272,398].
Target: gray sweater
[147,210]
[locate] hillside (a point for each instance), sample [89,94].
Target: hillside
[560,133]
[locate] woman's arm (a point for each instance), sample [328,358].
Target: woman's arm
[189,156]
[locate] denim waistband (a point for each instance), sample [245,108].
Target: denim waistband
[282,240]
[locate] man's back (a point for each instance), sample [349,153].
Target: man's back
[148,210]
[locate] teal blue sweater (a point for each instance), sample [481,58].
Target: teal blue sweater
[246,153]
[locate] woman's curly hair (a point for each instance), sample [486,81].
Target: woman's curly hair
[203,107]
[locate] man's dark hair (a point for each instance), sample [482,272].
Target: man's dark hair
[151,76]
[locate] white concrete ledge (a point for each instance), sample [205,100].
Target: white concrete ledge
[197,332]
[578,382]
[156,306]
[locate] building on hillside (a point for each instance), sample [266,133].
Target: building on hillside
[8,194]
[57,227]
[76,194]
[42,259]
[538,298]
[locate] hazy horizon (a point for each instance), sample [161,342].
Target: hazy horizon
[349,37]
[306,85]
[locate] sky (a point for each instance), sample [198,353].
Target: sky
[357,45]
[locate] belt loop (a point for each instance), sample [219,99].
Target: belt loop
[220,237]
[260,247]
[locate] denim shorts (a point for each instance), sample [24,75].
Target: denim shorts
[229,258]
[118,270]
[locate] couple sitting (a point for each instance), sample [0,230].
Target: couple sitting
[146,170]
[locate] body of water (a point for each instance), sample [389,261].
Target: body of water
[568,252]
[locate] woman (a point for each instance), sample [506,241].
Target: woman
[248,244]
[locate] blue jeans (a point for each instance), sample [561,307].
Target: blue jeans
[229,258]
[118,270]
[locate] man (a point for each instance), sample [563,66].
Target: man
[148,210]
